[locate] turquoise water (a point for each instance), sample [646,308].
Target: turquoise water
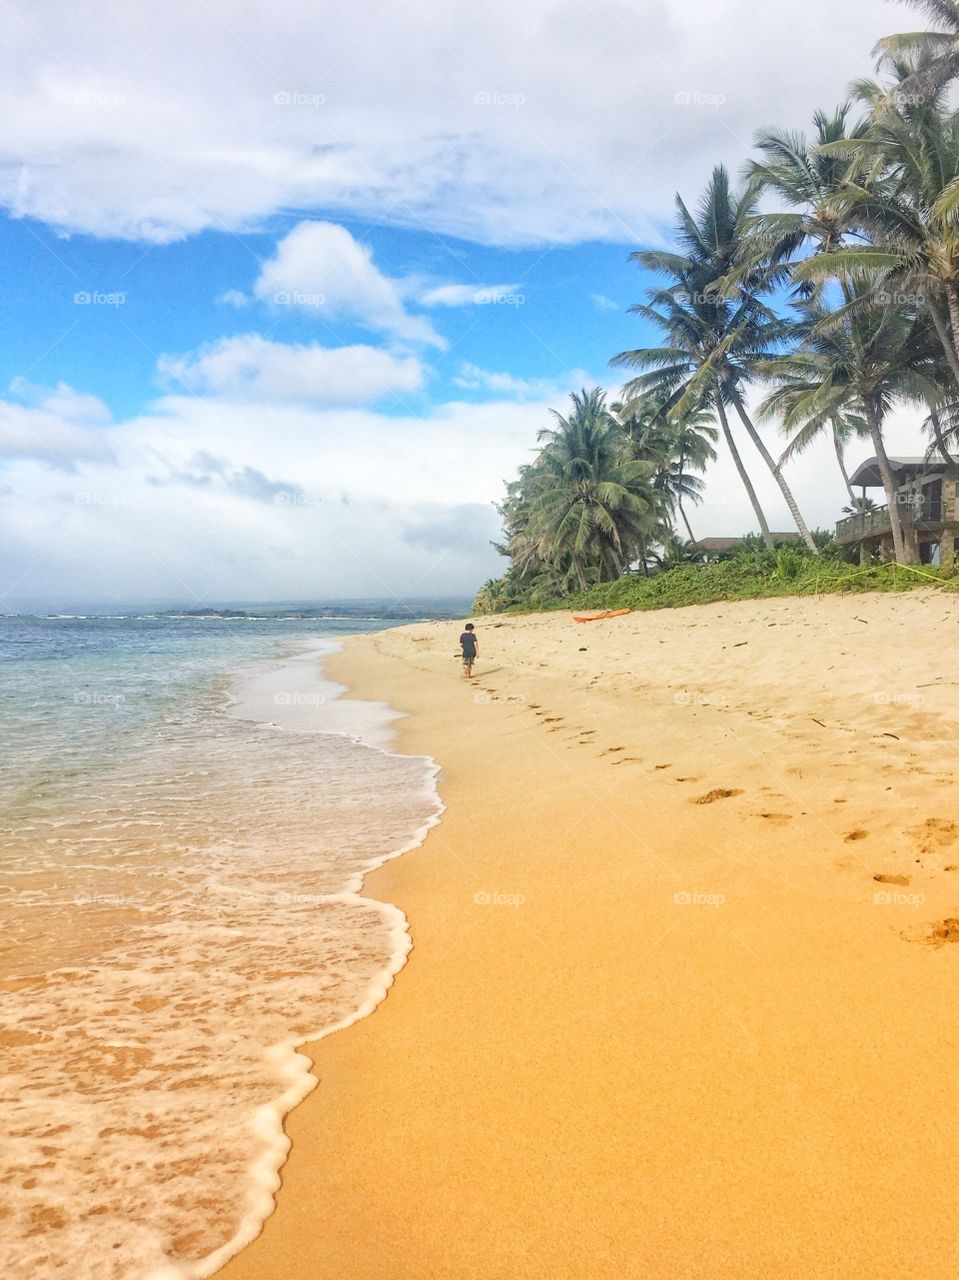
[187,820]
[78,693]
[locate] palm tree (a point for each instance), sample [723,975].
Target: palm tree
[842,424]
[712,341]
[857,360]
[676,446]
[937,51]
[908,207]
[591,508]
[807,179]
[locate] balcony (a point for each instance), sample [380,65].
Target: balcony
[924,512]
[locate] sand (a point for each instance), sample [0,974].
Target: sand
[682,995]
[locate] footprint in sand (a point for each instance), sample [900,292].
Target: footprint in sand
[777,819]
[944,931]
[718,793]
[888,879]
[662,766]
[610,750]
[853,836]
[934,834]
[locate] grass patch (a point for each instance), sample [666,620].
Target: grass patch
[751,576]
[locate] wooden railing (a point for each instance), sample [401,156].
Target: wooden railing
[872,523]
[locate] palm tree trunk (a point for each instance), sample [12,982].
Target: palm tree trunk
[947,344]
[777,474]
[743,474]
[888,480]
[685,518]
[841,459]
[936,422]
[952,301]
[644,557]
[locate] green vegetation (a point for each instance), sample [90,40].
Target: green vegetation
[750,575]
[830,310]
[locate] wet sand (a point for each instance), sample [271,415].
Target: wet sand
[681,998]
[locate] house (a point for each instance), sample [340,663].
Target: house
[926,499]
[713,548]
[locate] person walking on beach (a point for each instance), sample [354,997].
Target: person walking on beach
[470,649]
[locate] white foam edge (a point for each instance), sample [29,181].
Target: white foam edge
[296,1067]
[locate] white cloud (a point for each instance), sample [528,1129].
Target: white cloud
[505,123]
[289,501]
[250,365]
[234,298]
[52,426]
[319,267]
[554,391]
[462,295]
[60,401]
[602,303]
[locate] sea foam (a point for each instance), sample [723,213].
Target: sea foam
[175,933]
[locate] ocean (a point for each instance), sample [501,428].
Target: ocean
[188,812]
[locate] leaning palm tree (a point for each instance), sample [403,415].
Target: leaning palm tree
[937,50]
[905,204]
[592,509]
[860,359]
[712,341]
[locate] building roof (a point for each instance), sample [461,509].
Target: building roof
[726,544]
[867,473]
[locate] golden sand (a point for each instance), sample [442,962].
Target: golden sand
[682,999]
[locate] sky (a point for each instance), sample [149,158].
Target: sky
[290,290]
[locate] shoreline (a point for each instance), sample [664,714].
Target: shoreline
[676,1004]
[371,725]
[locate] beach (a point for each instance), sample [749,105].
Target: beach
[680,999]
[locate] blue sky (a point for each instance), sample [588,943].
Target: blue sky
[289,293]
[567,312]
